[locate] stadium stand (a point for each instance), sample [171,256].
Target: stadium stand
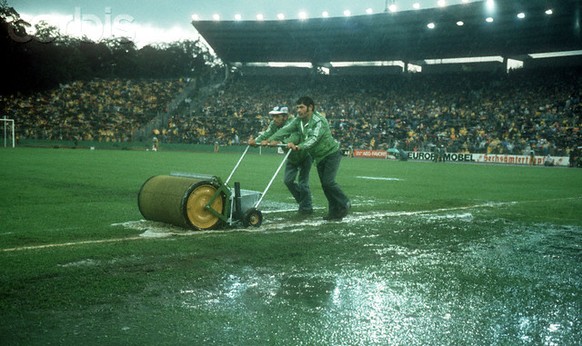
[471,112]
[475,112]
[99,110]
[478,108]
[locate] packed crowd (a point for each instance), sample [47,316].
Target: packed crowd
[97,110]
[477,112]
[508,114]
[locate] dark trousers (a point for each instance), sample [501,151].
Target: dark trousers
[327,170]
[300,188]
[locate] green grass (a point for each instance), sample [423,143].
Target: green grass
[455,254]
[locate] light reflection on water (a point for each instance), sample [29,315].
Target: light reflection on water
[422,281]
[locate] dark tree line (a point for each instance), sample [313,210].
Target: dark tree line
[48,58]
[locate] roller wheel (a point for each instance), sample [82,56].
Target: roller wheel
[253,217]
[198,215]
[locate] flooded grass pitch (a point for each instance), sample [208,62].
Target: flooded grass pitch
[417,281]
[425,278]
[421,260]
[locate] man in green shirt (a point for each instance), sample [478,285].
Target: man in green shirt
[316,139]
[298,163]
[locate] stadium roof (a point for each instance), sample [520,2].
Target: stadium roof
[403,35]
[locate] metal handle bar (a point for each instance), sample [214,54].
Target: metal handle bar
[272,179]
[282,145]
[237,164]
[245,153]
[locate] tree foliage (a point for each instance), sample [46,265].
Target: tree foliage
[48,58]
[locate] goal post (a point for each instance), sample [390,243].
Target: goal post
[8,132]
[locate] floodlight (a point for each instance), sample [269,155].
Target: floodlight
[490,6]
[303,15]
[489,19]
[325,14]
[237,17]
[442,3]
[521,15]
[280,16]
[416,6]
[431,25]
[392,8]
[260,17]
[216,17]
[347,13]
[369,11]
[195,17]
[460,23]
[549,11]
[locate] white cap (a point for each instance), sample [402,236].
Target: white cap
[279,110]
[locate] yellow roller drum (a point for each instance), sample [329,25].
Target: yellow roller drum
[180,201]
[197,213]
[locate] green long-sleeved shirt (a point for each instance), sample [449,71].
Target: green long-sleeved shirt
[315,136]
[296,156]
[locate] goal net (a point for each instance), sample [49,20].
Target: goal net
[7,132]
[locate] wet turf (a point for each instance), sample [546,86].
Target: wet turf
[461,273]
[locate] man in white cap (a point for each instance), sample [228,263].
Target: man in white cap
[298,163]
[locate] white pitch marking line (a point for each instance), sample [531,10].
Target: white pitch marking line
[277,227]
[274,228]
[100,241]
[379,178]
